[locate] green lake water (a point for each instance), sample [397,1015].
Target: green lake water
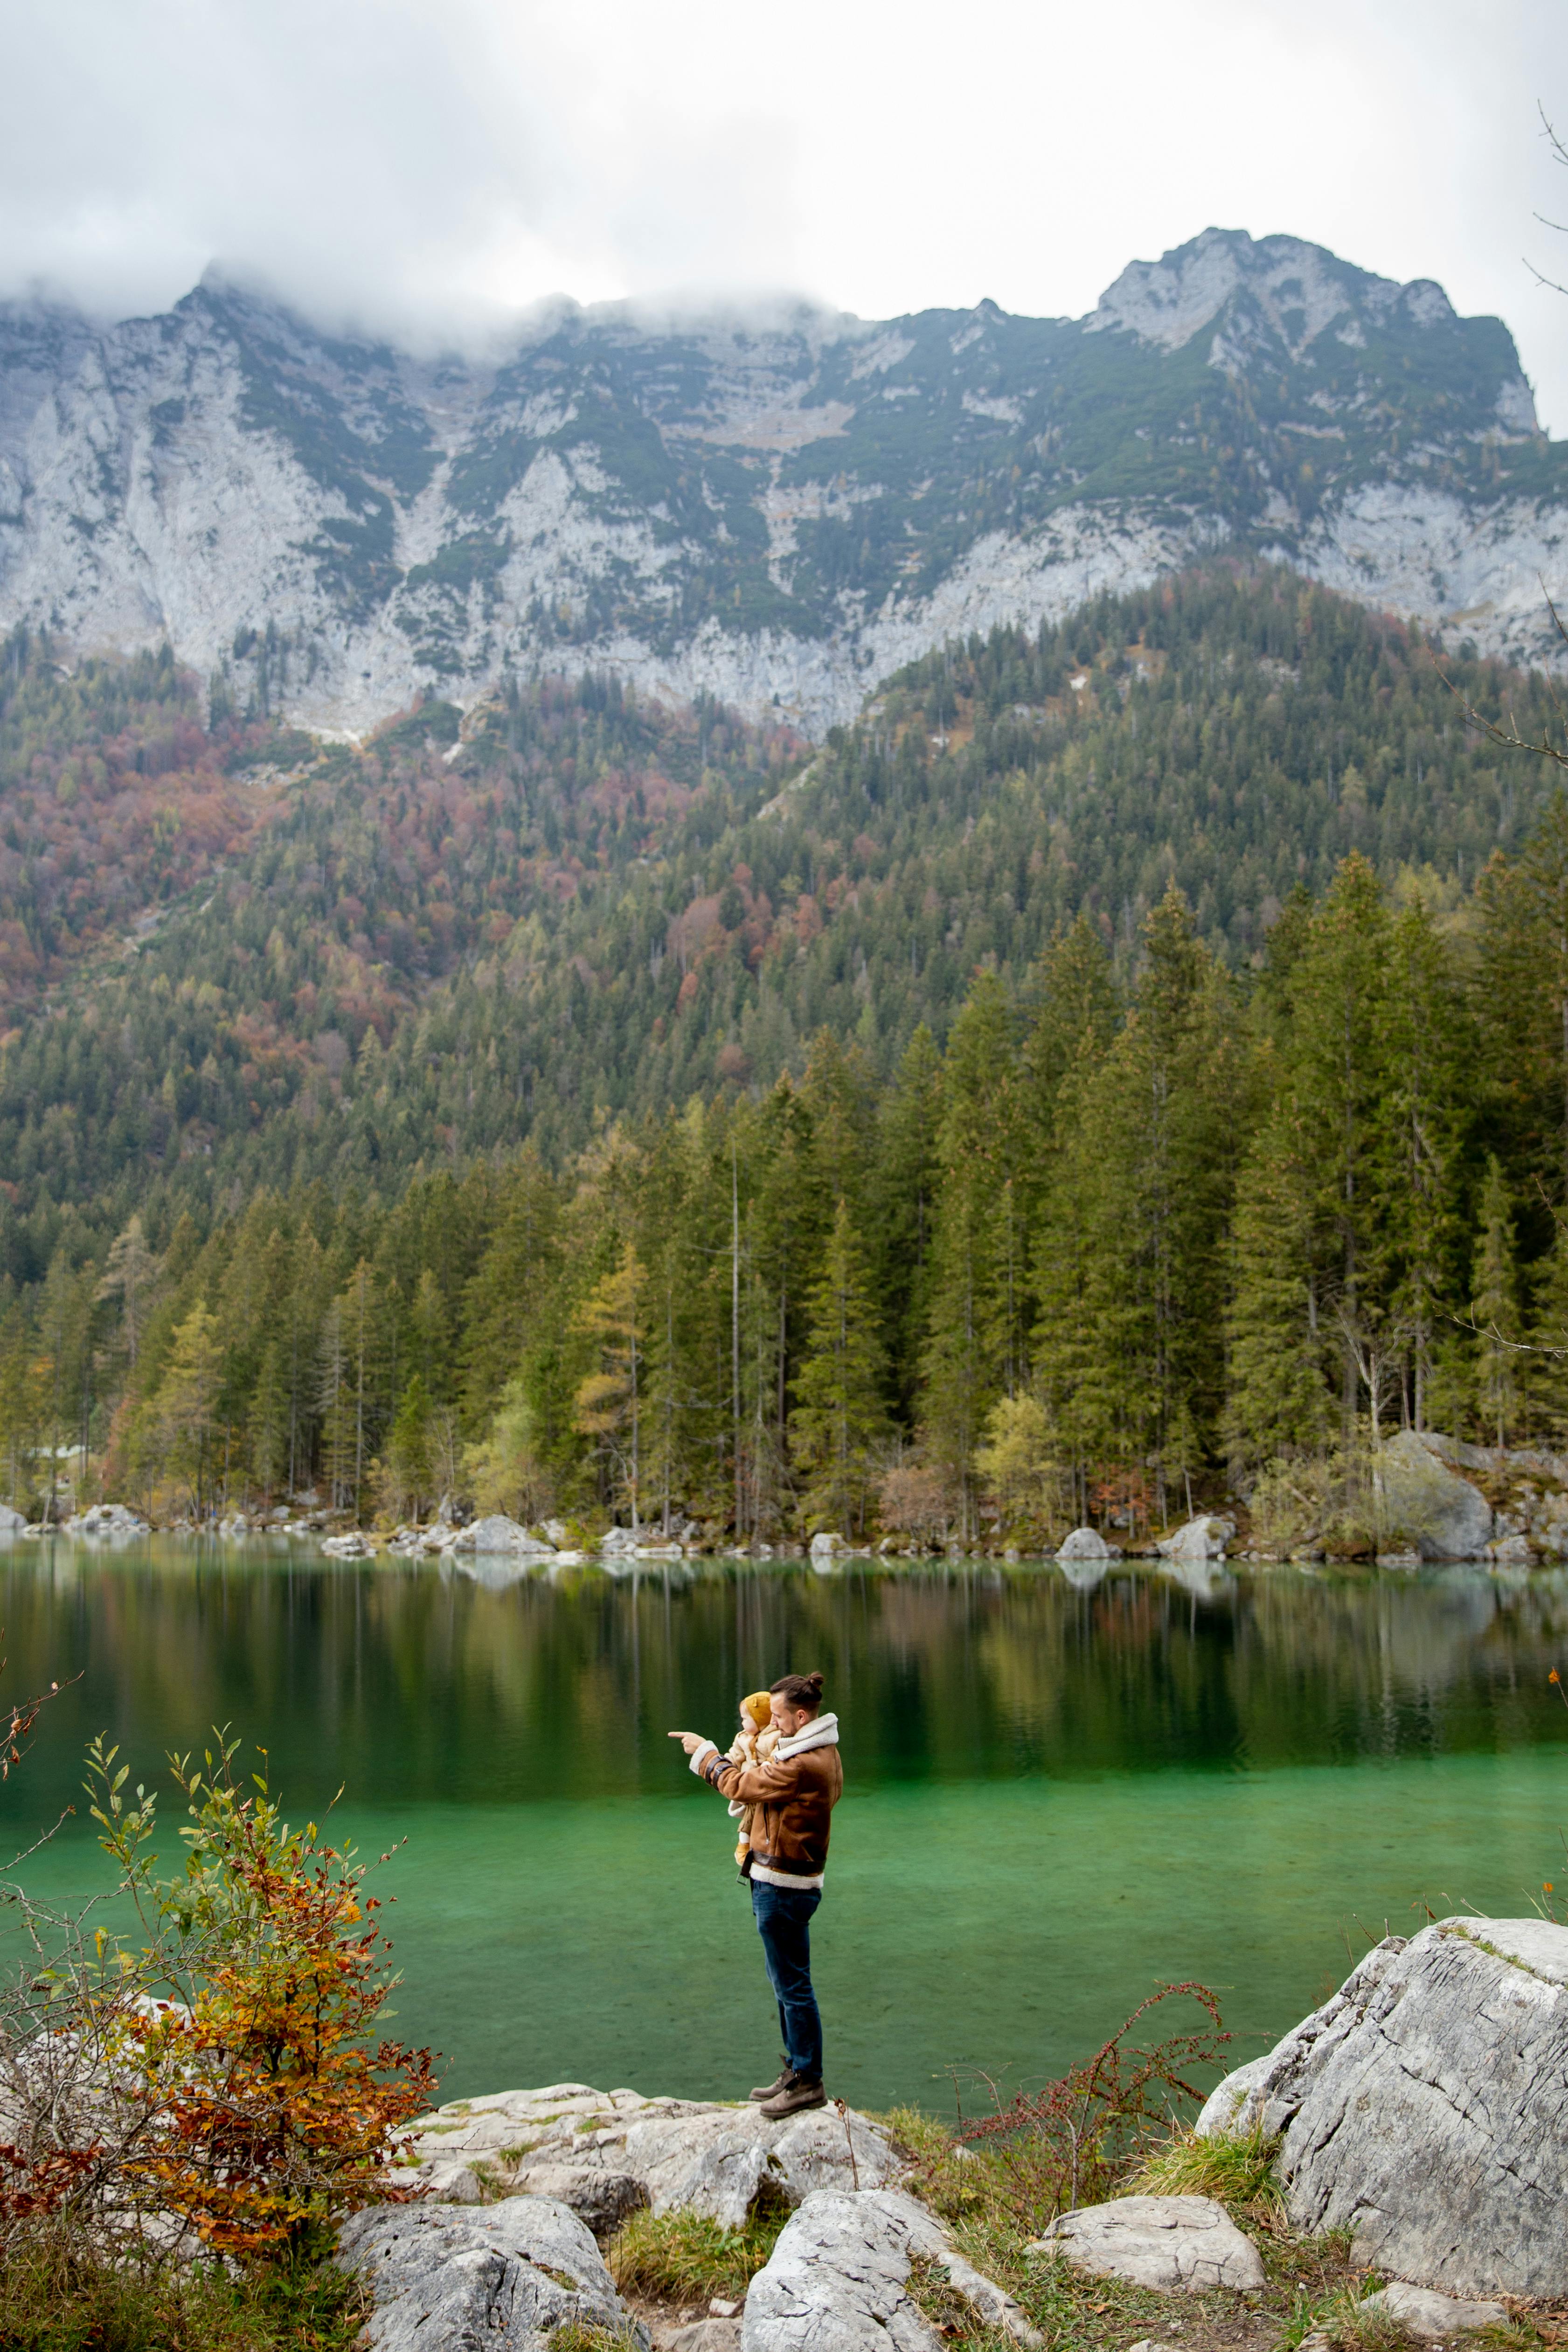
[1057,1797]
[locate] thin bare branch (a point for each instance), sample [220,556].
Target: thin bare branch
[1508,737]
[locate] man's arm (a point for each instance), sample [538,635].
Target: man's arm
[747,1784]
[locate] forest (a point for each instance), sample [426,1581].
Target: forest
[1126,1070]
[1108,1250]
[572,905]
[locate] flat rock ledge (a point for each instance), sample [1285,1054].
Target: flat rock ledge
[1424,2107]
[504,2277]
[1176,2244]
[838,2280]
[452,2273]
[604,2153]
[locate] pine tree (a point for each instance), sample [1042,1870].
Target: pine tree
[408,1478]
[1420,1122]
[23,1409]
[838,1413]
[1337,1071]
[1494,1311]
[981,1306]
[903,1200]
[266,1420]
[1074,1018]
[1139,1227]
[1522,994]
[1545,1372]
[517,1275]
[334,1407]
[130,1275]
[1278,1401]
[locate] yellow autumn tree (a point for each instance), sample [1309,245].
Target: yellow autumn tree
[607,1403]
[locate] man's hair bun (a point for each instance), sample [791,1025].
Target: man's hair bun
[800,1690]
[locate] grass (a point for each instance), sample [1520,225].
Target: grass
[1314,2285]
[684,2257]
[1235,2169]
[54,2302]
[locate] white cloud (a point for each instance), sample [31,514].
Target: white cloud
[428,164]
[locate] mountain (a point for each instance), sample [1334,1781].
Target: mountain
[590,907]
[779,509]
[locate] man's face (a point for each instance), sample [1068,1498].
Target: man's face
[787,1719]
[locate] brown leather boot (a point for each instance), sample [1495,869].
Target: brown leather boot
[772,2090]
[796,2096]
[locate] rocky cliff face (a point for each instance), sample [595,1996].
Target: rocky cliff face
[780,511]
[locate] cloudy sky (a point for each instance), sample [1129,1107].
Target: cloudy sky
[433,165]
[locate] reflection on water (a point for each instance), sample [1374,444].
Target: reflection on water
[1011,1739]
[508,1683]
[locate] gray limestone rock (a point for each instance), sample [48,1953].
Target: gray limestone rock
[707,2336]
[602,2199]
[105,1519]
[1265,2092]
[1425,2108]
[499,1533]
[12,1523]
[1175,2243]
[1445,1515]
[1435,2316]
[604,2152]
[499,2279]
[455,2184]
[1086,1543]
[838,2280]
[1201,1538]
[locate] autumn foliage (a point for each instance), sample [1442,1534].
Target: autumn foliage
[224,2070]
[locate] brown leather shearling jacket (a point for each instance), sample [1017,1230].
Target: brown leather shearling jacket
[793,1794]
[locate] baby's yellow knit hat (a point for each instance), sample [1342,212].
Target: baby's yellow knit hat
[760,1707]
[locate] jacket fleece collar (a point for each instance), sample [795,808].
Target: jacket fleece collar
[821,1731]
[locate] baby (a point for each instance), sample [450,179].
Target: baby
[753,1744]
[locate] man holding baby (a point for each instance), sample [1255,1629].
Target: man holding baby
[782,1791]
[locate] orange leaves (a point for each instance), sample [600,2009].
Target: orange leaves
[269,2105]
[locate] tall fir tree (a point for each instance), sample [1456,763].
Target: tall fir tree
[1494,1311]
[838,1410]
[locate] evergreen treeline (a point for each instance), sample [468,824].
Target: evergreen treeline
[1135,1231]
[592,909]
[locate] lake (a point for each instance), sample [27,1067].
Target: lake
[1059,1794]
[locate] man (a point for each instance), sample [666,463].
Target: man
[791,1796]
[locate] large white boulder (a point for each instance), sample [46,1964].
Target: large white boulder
[1201,1538]
[501,2276]
[838,2280]
[499,1534]
[1186,2244]
[1424,2107]
[1086,1544]
[1426,1501]
[12,1523]
[603,2153]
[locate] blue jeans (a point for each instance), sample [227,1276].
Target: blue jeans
[782,1915]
